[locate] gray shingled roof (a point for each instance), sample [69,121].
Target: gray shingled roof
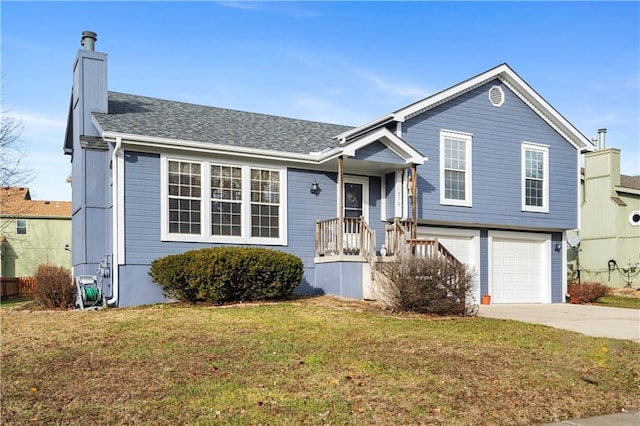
[626,181]
[141,115]
[632,182]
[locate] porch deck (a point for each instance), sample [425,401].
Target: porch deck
[355,240]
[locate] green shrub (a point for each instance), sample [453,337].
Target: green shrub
[586,292]
[54,287]
[228,274]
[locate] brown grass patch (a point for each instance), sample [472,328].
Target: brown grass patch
[309,361]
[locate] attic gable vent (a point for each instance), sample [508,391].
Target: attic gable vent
[496,96]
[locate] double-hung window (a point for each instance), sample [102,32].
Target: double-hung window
[21,226]
[265,203]
[226,200]
[218,202]
[184,186]
[535,177]
[455,168]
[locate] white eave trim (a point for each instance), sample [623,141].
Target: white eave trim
[391,141]
[625,190]
[545,110]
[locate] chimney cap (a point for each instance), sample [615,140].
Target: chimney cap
[88,40]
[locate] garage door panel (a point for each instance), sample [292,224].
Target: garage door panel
[459,246]
[517,275]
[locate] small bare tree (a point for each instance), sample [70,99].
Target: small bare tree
[428,285]
[12,171]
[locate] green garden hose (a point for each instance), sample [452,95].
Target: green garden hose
[91,295]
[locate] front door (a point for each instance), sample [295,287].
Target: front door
[356,200]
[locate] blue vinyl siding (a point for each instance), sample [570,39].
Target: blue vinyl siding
[340,278]
[390,180]
[378,152]
[142,214]
[498,134]
[90,219]
[96,178]
[136,288]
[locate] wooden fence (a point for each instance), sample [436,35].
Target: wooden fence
[17,286]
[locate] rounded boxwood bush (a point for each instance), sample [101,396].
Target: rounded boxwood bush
[228,274]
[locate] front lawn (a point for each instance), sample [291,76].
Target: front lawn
[311,361]
[14,301]
[619,302]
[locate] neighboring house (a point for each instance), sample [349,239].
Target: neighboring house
[487,167]
[32,233]
[607,246]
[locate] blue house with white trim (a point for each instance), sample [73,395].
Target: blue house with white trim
[485,173]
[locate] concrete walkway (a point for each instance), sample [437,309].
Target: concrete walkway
[598,321]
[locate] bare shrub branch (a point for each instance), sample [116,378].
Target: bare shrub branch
[54,287]
[426,285]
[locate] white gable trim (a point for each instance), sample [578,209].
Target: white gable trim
[547,113]
[391,141]
[513,81]
[447,94]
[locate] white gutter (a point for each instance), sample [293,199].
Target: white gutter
[115,261]
[221,149]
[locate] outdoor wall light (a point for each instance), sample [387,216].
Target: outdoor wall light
[315,188]
[558,247]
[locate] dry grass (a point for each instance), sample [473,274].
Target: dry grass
[312,361]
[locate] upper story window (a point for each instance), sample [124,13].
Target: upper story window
[21,226]
[535,177]
[455,168]
[216,202]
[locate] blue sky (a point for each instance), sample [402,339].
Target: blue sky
[339,62]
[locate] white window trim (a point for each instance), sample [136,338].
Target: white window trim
[365,194]
[529,146]
[398,208]
[467,138]
[383,198]
[205,212]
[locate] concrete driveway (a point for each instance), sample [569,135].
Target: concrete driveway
[598,321]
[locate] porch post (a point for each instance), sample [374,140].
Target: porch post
[340,204]
[414,200]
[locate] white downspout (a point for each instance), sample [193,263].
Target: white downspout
[114,217]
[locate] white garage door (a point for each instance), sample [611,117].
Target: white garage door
[519,272]
[461,246]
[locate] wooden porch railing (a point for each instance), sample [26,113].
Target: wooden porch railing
[357,238]
[398,241]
